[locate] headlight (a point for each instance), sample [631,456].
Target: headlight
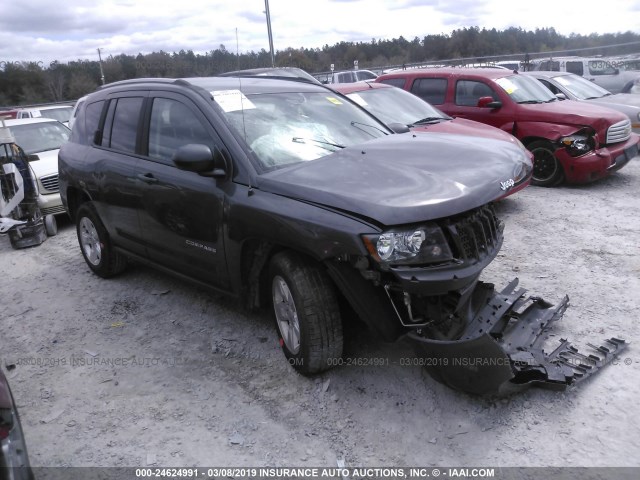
[423,245]
[522,170]
[578,144]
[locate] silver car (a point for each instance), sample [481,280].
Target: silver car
[43,138]
[574,87]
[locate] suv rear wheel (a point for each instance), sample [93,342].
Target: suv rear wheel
[547,171]
[95,244]
[306,312]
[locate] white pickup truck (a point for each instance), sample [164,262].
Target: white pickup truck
[609,74]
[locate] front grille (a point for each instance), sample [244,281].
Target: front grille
[50,183]
[619,132]
[475,234]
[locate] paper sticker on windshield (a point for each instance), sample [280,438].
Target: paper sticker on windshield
[358,99]
[232,100]
[507,85]
[334,100]
[562,81]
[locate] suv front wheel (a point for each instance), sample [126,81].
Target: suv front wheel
[306,312]
[95,244]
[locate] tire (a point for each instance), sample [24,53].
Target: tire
[306,313]
[547,170]
[50,225]
[95,244]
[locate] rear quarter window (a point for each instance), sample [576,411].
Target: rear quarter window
[87,122]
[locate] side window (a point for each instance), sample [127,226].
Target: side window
[432,90]
[575,67]
[363,75]
[549,65]
[396,82]
[121,125]
[550,86]
[85,128]
[601,67]
[468,92]
[173,125]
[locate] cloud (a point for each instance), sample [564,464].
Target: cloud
[41,30]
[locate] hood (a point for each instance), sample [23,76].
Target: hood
[461,126]
[598,117]
[47,165]
[628,99]
[406,178]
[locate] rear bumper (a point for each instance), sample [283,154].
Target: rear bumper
[598,164]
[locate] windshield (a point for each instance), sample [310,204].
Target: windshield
[393,105]
[61,114]
[39,137]
[581,88]
[523,89]
[292,127]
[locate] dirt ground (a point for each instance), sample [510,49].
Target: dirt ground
[144,369]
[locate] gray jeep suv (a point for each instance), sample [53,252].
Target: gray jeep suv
[287,194]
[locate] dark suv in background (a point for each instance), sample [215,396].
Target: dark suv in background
[287,194]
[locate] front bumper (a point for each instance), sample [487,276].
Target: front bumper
[500,351]
[50,204]
[599,163]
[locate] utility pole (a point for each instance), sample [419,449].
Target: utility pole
[266,6]
[101,71]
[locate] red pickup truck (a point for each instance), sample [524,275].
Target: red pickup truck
[569,140]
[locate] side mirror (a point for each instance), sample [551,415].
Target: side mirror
[616,71]
[398,127]
[489,102]
[561,96]
[200,159]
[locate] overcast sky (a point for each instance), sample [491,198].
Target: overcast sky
[46,30]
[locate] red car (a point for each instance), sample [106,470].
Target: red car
[570,141]
[393,105]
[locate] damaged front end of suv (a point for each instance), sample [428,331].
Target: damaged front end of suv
[474,338]
[436,231]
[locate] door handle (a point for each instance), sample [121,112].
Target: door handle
[147,178]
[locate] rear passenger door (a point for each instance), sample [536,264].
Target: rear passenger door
[117,196]
[181,212]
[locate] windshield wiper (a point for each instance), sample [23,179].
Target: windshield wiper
[426,120]
[530,101]
[592,98]
[355,124]
[315,140]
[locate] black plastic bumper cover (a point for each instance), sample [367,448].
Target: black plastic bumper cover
[501,350]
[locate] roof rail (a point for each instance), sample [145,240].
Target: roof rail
[133,81]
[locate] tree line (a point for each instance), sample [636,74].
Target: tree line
[33,82]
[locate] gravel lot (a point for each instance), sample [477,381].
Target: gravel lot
[147,370]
